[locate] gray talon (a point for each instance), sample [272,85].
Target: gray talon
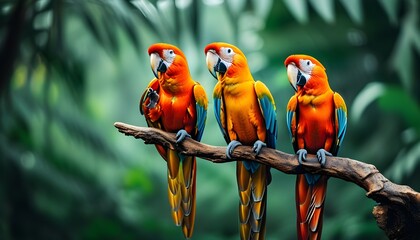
[153,96]
[231,146]
[321,155]
[258,146]
[301,155]
[181,135]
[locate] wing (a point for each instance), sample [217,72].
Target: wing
[150,113]
[268,109]
[291,120]
[340,120]
[218,109]
[201,104]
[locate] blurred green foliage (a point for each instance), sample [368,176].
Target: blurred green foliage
[71,68]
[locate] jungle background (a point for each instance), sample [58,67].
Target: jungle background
[69,69]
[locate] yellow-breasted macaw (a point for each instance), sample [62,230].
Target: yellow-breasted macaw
[174,102]
[246,114]
[317,122]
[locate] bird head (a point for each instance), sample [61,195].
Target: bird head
[305,73]
[225,60]
[167,61]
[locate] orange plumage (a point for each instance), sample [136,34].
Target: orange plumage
[174,102]
[317,121]
[245,112]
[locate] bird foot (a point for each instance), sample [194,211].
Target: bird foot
[231,146]
[302,155]
[153,98]
[181,135]
[258,146]
[321,155]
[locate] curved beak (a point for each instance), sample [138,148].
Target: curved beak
[215,64]
[158,64]
[295,76]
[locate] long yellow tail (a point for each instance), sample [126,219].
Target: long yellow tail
[253,199]
[181,190]
[310,198]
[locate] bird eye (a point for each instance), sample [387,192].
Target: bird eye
[308,62]
[229,50]
[171,52]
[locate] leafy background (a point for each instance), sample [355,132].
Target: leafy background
[71,68]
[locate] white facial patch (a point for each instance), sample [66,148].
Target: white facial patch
[168,56]
[226,55]
[306,66]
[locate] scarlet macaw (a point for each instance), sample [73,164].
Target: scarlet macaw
[246,114]
[317,122]
[174,102]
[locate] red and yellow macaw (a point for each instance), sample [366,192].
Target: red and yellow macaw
[317,122]
[246,114]
[174,102]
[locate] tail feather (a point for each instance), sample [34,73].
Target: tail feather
[245,231]
[253,198]
[175,202]
[182,190]
[243,178]
[173,162]
[188,186]
[310,200]
[244,213]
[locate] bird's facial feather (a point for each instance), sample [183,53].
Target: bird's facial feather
[163,56]
[306,66]
[222,57]
[303,69]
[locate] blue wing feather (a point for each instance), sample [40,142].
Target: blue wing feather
[217,110]
[270,118]
[268,110]
[289,117]
[341,120]
[342,124]
[201,120]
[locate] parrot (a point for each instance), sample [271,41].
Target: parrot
[246,114]
[175,103]
[317,121]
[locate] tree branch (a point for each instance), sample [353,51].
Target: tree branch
[398,211]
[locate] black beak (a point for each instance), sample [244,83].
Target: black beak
[161,68]
[220,67]
[301,80]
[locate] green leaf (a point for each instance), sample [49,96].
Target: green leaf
[405,163]
[298,8]
[387,96]
[236,6]
[354,9]
[325,9]
[370,93]
[391,9]
[396,100]
[403,54]
[262,7]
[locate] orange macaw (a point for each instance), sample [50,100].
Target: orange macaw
[317,122]
[246,114]
[174,102]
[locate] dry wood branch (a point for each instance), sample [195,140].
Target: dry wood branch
[398,209]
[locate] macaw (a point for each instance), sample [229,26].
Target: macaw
[317,122]
[174,102]
[246,114]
